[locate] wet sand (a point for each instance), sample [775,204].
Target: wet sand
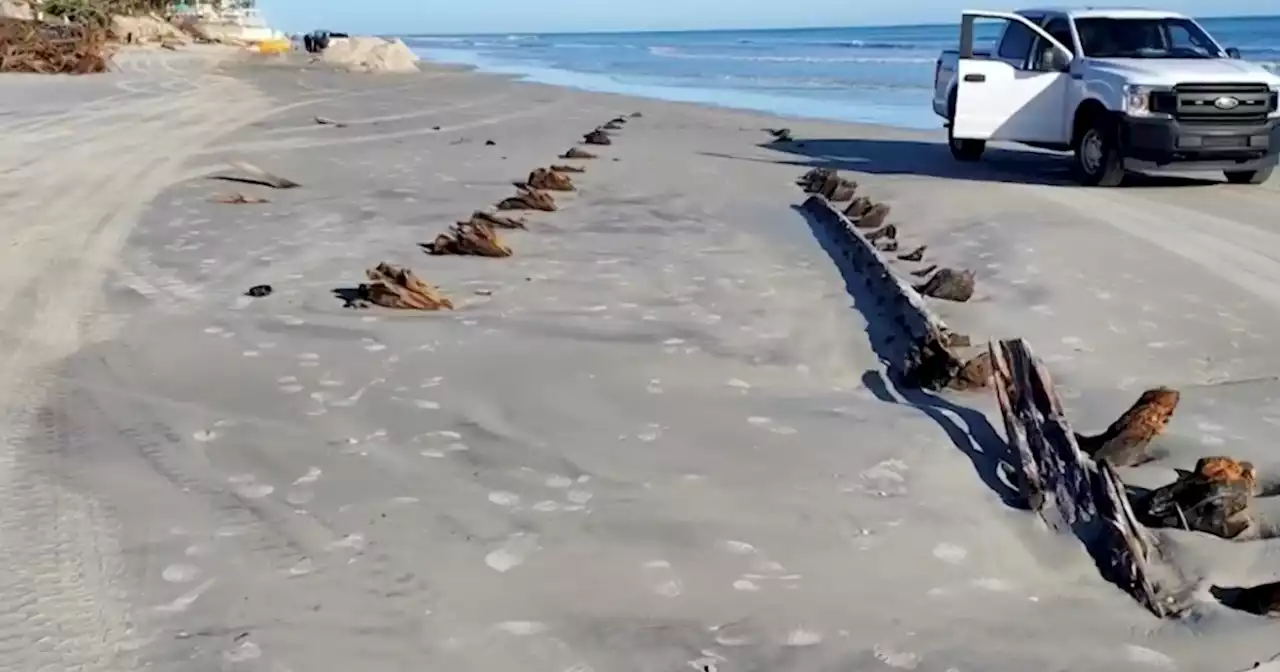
[657,436]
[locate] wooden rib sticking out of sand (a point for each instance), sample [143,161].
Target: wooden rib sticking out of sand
[256,175]
[394,287]
[575,153]
[1072,492]
[828,182]
[597,137]
[529,199]
[495,221]
[1216,498]
[238,199]
[549,180]
[1126,441]
[474,239]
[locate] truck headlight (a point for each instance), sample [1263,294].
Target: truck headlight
[1137,100]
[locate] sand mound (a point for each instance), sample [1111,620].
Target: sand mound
[370,54]
[132,29]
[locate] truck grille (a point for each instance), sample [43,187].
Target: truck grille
[1198,102]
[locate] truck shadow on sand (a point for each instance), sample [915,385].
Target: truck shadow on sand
[967,428]
[933,159]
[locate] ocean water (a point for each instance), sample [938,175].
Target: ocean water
[872,74]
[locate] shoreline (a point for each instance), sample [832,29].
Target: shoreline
[666,394]
[774,105]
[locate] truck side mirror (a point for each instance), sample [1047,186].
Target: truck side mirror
[1232,52]
[1059,60]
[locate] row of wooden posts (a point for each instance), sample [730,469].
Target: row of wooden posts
[394,287]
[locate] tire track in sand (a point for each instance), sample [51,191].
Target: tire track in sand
[61,595]
[1231,250]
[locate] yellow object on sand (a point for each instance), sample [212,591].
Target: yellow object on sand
[274,46]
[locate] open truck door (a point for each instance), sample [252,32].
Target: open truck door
[998,100]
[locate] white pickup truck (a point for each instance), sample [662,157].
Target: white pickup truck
[1125,90]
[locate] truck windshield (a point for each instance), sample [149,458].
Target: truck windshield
[1144,38]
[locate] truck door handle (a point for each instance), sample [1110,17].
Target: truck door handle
[975,78]
[1076,75]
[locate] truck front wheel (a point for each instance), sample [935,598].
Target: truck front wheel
[1249,176]
[1097,155]
[965,150]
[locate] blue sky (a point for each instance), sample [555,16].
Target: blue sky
[524,16]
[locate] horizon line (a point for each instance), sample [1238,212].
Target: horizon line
[757,29]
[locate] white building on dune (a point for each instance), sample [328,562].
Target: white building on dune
[237,20]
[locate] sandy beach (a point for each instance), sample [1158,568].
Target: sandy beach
[656,437]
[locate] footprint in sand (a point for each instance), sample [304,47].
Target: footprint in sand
[289,385]
[248,487]
[950,553]
[738,547]
[521,628]
[503,498]
[244,652]
[768,423]
[312,475]
[512,553]
[1145,656]
[180,573]
[652,433]
[662,579]
[902,660]
[559,482]
[803,637]
[886,478]
[992,584]
[353,541]
[302,567]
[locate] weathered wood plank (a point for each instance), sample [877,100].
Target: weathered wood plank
[928,362]
[1070,491]
[1030,487]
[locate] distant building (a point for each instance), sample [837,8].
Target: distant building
[234,20]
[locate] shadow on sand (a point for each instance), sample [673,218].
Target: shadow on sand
[349,296]
[967,428]
[878,156]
